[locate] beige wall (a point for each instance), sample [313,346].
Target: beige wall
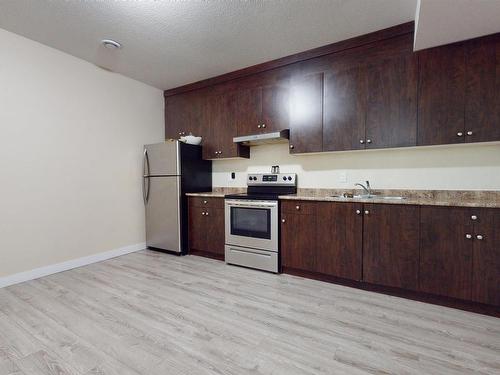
[460,167]
[71,137]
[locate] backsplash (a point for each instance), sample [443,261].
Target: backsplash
[456,167]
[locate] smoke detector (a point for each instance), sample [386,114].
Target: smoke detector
[111,44]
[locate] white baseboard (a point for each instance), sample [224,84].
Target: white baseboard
[64,266]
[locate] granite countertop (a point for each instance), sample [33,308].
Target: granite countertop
[457,198]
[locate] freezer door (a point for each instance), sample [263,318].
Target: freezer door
[163,213]
[162,159]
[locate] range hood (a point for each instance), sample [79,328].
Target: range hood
[259,139]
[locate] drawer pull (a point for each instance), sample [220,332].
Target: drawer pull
[473,217]
[367,212]
[479,237]
[468,236]
[358,212]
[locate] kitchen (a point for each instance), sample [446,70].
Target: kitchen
[330,209]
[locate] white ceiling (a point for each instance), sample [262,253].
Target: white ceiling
[170,43]
[447,21]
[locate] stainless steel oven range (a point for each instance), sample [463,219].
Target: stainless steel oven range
[251,220]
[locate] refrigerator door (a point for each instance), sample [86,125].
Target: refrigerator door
[163,213]
[162,159]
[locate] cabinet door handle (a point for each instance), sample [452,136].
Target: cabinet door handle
[205,202]
[468,236]
[291,146]
[297,208]
[473,217]
[203,214]
[206,213]
[358,212]
[283,220]
[469,132]
[263,126]
[479,237]
[367,212]
[368,141]
[259,126]
[362,141]
[460,134]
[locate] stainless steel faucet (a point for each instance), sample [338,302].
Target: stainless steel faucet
[366,188]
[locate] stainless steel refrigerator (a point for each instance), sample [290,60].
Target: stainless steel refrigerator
[171,169]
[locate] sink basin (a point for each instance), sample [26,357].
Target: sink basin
[371,196]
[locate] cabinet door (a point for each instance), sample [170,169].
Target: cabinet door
[197,228]
[482,96]
[298,240]
[225,126]
[391,245]
[339,240]
[215,231]
[177,116]
[486,256]
[248,111]
[445,252]
[391,114]
[306,114]
[213,115]
[441,95]
[275,108]
[344,109]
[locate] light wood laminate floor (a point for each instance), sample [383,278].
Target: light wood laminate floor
[153,313]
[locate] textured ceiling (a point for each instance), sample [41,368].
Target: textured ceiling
[448,21]
[171,43]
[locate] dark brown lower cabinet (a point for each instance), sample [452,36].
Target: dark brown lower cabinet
[391,245]
[339,242]
[206,227]
[446,251]
[322,237]
[486,256]
[298,235]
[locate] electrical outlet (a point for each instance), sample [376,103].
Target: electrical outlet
[233,175]
[343,177]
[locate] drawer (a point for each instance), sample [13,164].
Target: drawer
[299,207]
[252,258]
[206,202]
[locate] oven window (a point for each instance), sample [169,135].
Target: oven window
[251,222]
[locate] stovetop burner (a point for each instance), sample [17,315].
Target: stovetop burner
[268,186]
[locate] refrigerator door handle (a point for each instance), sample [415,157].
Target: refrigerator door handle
[145,176]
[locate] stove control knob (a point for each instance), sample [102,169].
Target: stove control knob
[284,178]
[289,178]
[250,178]
[255,178]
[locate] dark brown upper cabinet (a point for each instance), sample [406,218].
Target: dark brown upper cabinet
[220,112]
[344,108]
[306,114]
[391,245]
[370,98]
[391,89]
[482,89]
[184,115]
[459,99]
[441,95]
[486,255]
[446,251]
[262,109]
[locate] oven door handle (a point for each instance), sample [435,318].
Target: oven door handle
[252,205]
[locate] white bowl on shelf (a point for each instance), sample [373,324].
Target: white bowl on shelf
[191,139]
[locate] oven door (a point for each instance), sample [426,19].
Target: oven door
[252,224]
